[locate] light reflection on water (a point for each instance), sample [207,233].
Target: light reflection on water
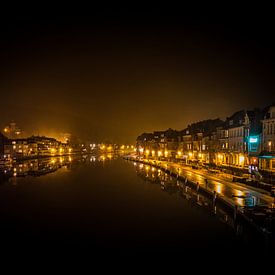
[104,194]
[171,185]
[42,166]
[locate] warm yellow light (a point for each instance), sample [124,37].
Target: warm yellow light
[269,143]
[218,188]
[132,146]
[122,147]
[53,151]
[70,150]
[219,156]
[110,148]
[179,153]
[102,147]
[153,152]
[6,130]
[147,152]
[200,155]
[141,150]
[166,153]
[61,150]
[159,153]
[190,154]
[241,159]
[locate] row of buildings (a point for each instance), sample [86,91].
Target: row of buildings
[31,147]
[244,140]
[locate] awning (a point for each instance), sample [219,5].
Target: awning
[267,155]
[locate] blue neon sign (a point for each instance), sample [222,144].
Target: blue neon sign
[253,139]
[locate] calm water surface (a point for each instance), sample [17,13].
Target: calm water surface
[102,203]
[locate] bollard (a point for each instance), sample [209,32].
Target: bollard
[235,212]
[206,183]
[214,197]
[198,187]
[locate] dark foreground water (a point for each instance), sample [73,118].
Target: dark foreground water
[97,203]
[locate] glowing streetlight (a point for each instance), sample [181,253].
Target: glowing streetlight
[159,153]
[241,159]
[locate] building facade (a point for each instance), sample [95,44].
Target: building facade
[267,156]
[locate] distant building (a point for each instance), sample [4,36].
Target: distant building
[34,146]
[3,141]
[12,131]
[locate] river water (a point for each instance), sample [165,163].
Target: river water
[107,202]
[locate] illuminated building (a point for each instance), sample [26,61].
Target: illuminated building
[267,156]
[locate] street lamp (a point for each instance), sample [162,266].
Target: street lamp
[269,146]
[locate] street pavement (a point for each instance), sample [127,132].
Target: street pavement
[234,193]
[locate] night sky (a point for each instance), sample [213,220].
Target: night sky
[115,74]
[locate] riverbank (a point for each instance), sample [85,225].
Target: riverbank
[257,213]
